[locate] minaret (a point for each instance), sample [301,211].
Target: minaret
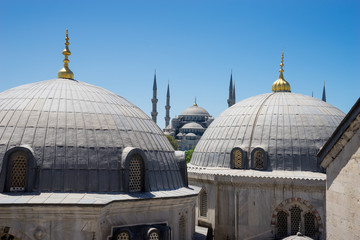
[230,99]
[65,72]
[167,107]
[324,94]
[154,100]
[234,94]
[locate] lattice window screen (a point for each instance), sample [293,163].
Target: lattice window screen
[309,222]
[295,213]
[123,236]
[237,158]
[135,173]
[282,223]
[258,160]
[18,172]
[203,204]
[154,236]
[182,228]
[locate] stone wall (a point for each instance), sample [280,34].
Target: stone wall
[343,192]
[91,221]
[246,208]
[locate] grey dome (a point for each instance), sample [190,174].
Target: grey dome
[78,135]
[289,127]
[297,237]
[190,135]
[195,111]
[192,125]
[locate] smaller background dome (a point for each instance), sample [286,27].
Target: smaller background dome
[298,236]
[191,135]
[192,125]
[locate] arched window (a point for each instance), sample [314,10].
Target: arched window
[258,159]
[282,223]
[136,173]
[182,228]
[153,234]
[295,213]
[18,171]
[203,203]
[124,235]
[237,157]
[309,222]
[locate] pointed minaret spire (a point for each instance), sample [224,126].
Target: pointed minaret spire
[167,107]
[234,94]
[312,93]
[154,100]
[324,94]
[231,91]
[65,72]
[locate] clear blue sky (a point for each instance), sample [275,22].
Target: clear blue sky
[193,44]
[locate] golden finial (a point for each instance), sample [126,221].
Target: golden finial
[282,65]
[195,103]
[281,85]
[65,72]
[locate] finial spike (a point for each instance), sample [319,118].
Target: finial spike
[65,72]
[281,85]
[282,65]
[195,104]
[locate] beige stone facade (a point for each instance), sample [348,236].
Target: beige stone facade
[245,204]
[341,158]
[73,218]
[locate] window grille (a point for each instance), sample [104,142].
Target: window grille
[136,174]
[6,236]
[203,204]
[154,236]
[258,160]
[237,158]
[18,162]
[282,223]
[295,213]
[182,228]
[123,236]
[309,222]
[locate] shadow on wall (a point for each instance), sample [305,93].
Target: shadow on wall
[338,165]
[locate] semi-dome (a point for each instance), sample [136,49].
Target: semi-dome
[289,128]
[192,125]
[80,138]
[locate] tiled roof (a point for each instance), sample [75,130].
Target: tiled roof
[249,173]
[90,198]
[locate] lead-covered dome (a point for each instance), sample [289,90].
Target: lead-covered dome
[195,110]
[80,137]
[283,129]
[192,125]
